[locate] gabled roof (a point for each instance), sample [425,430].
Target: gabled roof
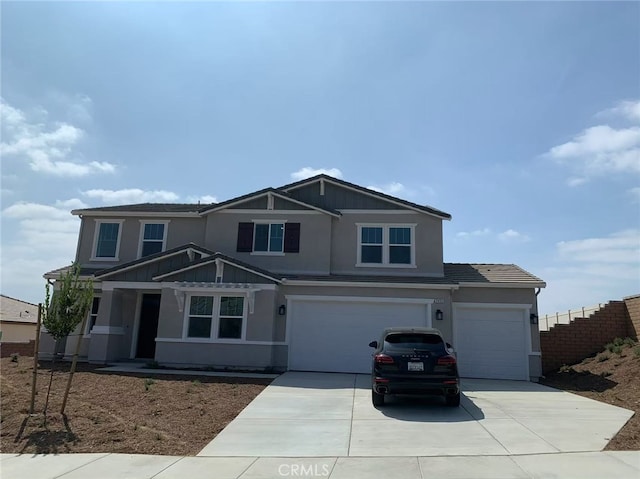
[226,259]
[261,193]
[85,272]
[144,208]
[366,191]
[104,273]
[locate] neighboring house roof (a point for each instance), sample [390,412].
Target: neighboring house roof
[148,208]
[264,192]
[17,311]
[367,191]
[103,273]
[482,274]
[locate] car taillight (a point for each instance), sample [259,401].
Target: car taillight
[446,360]
[383,359]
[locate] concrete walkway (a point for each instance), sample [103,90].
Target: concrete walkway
[322,414]
[590,465]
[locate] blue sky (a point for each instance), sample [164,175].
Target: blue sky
[520,119]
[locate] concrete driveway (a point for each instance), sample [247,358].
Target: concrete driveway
[329,415]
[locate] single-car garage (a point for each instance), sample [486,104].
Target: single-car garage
[491,341]
[333,333]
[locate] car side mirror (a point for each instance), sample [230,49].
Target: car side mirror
[373,344]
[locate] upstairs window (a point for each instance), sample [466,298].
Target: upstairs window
[386,245]
[107,240]
[276,237]
[153,238]
[269,237]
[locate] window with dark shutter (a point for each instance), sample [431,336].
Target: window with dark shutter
[245,238]
[292,238]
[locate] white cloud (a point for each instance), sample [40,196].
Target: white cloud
[626,109]
[592,270]
[43,238]
[467,234]
[394,188]
[48,147]
[635,194]
[601,150]
[621,247]
[510,236]
[576,181]
[308,172]
[132,195]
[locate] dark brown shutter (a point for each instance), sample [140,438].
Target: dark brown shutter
[245,238]
[292,237]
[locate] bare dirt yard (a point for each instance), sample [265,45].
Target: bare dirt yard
[612,376]
[117,412]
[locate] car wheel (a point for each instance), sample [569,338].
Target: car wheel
[377,399]
[453,400]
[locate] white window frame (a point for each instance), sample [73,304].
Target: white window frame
[96,233]
[386,245]
[87,328]
[141,240]
[215,319]
[268,222]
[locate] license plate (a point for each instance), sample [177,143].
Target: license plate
[415,366]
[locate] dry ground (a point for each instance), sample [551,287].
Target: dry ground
[611,377]
[116,412]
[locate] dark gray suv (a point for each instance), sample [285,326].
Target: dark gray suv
[414,361]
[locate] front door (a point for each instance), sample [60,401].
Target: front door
[148,329]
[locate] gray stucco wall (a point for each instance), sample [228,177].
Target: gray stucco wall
[215,354]
[315,243]
[260,323]
[180,231]
[428,244]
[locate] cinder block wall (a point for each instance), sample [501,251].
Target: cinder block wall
[23,349]
[633,308]
[583,337]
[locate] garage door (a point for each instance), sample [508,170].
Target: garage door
[333,335]
[491,343]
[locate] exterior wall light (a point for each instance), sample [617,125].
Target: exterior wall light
[439,315]
[282,310]
[533,318]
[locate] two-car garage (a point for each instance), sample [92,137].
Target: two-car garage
[332,333]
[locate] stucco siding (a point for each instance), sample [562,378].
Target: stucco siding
[315,244]
[180,231]
[17,332]
[428,244]
[215,354]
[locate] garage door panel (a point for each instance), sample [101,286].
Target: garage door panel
[334,336]
[490,343]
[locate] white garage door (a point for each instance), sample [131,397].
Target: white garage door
[491,342]
[333,335]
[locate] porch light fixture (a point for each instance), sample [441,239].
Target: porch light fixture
[439,315]
[533,318]
[282,310]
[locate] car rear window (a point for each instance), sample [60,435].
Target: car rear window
[431,342]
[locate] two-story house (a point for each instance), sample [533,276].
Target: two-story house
[300,277]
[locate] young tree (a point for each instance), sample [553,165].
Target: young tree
[67,307]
